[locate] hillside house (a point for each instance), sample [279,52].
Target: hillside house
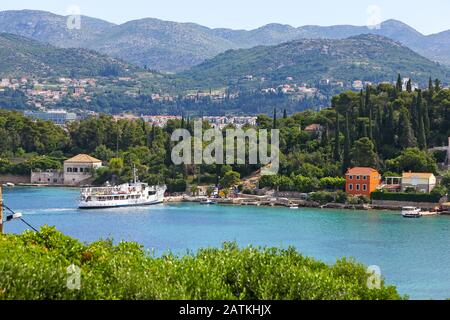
[362,181]
[420,182]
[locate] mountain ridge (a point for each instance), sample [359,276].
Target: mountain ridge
[363,57]
[174,47]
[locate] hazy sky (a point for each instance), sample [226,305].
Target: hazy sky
[428,16]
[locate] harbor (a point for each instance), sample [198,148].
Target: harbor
[411,253]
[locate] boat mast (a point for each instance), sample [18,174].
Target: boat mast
[134,174]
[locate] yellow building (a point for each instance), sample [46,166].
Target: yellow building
[421,182]
[79,169]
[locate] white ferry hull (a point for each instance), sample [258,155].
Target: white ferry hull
[126,195]
[117,204]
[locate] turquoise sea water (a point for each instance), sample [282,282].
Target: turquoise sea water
[413,254]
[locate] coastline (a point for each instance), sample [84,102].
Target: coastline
[266,201]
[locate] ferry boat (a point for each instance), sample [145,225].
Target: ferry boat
[411,212]
[124,195]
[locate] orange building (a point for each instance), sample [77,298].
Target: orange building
[362,181]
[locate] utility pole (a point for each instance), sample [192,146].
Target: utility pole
[1,211]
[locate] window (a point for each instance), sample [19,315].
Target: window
[364,177]
[75,170]
[350,177]
[350,187]
[81,169]
[69,169]
[358,177]
[357,187]
[365,187]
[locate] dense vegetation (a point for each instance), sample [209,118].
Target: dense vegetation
[34,266]
[383,127]
[20,56]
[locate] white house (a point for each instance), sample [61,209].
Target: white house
[421,182]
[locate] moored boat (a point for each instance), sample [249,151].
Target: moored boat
[207,201]
[411,212]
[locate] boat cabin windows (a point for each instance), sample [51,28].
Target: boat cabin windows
[151,193]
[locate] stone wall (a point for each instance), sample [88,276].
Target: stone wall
[55,177]
[16,179]
[389,204]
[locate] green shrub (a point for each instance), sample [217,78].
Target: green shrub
[409,197]
[34,265]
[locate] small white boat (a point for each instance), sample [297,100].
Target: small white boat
[411,212]
[9,185]
[294,206]
[207,201]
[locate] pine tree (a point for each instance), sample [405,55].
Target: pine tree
[337,148]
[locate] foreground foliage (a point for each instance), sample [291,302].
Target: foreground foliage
[33,266]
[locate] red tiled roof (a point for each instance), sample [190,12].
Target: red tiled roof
[313,127]
[361,171]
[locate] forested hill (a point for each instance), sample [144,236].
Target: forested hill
[365,57]
[20,56]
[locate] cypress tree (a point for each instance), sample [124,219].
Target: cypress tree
[346,160]
[325,136]
[389,127]
[363,129]
[421,137]
[430,86]
[361,104]
[399,85]
[409,86]
[370,122]
[337,149]
[367,101]
[274,126]
[406,138]
[379,130]
[437,85]
[284,114]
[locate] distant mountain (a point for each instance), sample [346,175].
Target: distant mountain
[52,28]
[20,56]
[364,57]
[171,46]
